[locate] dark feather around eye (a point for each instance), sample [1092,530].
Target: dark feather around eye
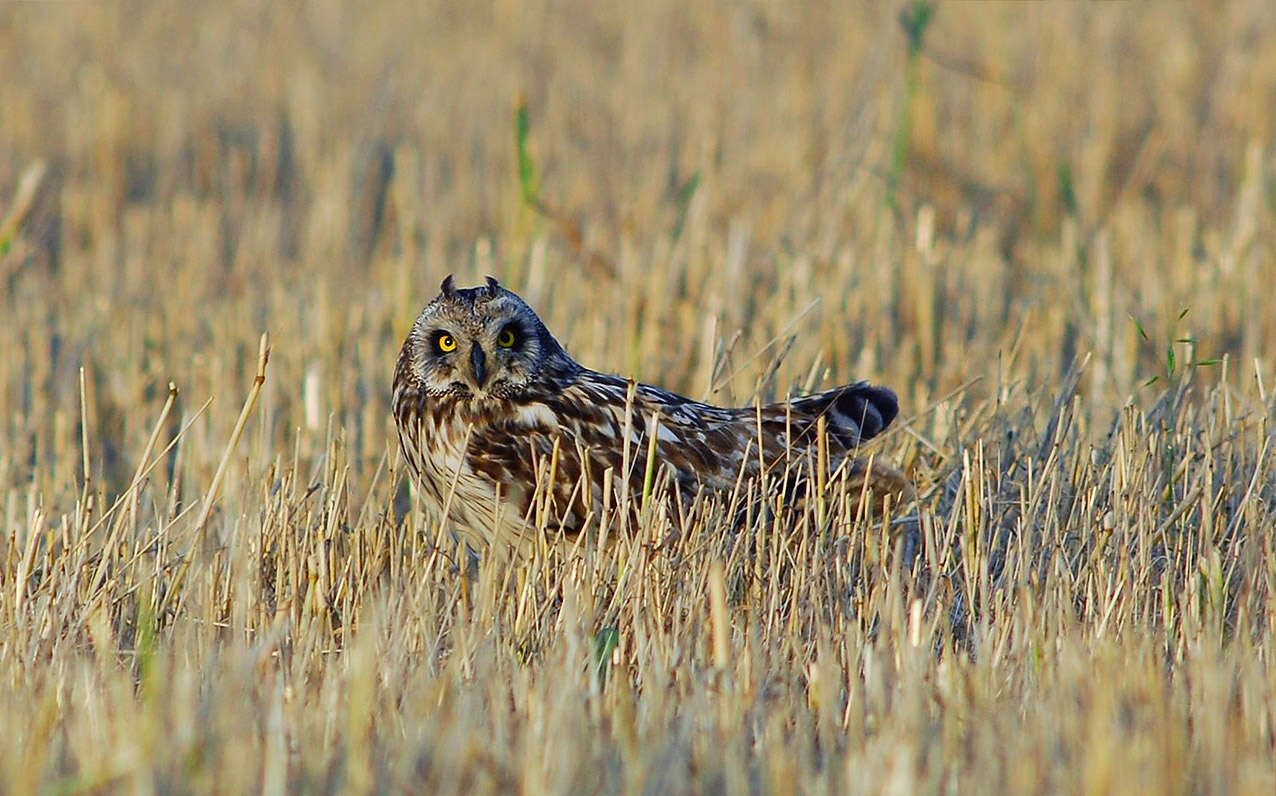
[510,336]
[442,342]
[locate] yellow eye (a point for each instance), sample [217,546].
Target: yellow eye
[446,343]
[506,339]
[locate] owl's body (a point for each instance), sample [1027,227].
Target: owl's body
[514,440]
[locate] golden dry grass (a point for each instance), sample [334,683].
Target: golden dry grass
[745,198]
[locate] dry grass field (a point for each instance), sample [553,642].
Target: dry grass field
[1050,227]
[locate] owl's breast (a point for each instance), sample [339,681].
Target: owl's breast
[445,447]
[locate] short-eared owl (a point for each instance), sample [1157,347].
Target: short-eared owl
[492,412]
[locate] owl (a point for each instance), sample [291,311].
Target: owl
[516,445]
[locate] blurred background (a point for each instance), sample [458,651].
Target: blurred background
[731,199]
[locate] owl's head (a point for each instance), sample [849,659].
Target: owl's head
[479,342]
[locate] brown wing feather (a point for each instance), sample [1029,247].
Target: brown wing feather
[560,445]
[571,438]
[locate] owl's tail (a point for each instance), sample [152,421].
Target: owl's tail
[852,413]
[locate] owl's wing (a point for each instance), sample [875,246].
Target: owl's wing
[852,414]
[564,442]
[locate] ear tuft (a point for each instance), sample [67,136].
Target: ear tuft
[492,286]
[447,288]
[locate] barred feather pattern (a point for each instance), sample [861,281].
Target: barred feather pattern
[511,470]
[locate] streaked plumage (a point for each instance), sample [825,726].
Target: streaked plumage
[488,405]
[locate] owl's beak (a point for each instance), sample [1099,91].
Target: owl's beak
[479,360]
